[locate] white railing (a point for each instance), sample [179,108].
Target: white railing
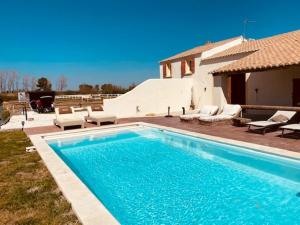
[87,96]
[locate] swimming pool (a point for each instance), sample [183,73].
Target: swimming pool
[150,176]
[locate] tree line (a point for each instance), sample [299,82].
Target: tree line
[11,81]
[104,89]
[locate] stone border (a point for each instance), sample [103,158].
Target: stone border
[89,210]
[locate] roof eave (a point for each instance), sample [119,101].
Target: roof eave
[251,70]
[180,58]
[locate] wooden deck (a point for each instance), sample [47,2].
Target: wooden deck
[290,142]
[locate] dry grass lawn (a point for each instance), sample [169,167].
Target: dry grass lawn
[28,193]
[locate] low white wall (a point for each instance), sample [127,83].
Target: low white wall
[152,97]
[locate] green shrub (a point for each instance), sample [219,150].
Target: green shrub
[5,115]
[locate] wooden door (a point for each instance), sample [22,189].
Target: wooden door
[296,92]
[238,89]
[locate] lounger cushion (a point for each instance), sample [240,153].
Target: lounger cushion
[216,118]
[279,118]
[65,110]
[67,118]
[214,110]
[102,115]
[205,110]
[231,110]
[192,116]
[96,108]
[291,127]
[263,123]
[209,110]
[288,114]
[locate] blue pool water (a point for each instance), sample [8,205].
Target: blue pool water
[149,176]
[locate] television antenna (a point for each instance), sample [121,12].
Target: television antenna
[246,22]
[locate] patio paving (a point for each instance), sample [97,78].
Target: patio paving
[34,120]
[272,139]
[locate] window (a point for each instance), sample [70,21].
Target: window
[167,70]
[187,67]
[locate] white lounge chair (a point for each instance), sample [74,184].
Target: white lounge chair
[97,115]
[65,117]
[291,127]
[278,119]
[229,112]
[207,110]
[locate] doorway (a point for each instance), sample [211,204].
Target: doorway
[296,92]
[237,89]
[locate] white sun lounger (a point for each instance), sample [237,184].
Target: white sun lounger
[67,119]
[207,110]
[264,125]
[99,116]
[291,127]
[229,112]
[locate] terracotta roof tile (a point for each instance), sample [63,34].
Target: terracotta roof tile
[277,51]
[198,49]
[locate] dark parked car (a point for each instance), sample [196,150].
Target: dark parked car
[42,102]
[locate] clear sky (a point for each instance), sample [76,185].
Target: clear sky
[121,42]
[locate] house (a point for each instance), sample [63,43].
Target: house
[267,74]
[189,65]
[255,72]
[155,96]
[237,71]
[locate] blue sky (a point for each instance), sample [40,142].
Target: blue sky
[121,42]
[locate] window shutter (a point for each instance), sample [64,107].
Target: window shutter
[182,68]
[164,70]
[193,65]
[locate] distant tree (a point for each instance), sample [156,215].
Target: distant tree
[69,92]
[106,88]
[12,81]
[62,83]
[5,76]
[131,86]
[25,83]
[16,76]
[2,82]
[33,84]
[112,89]
[43,84]
[86,89]
[97,88]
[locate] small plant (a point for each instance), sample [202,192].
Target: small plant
[192,105]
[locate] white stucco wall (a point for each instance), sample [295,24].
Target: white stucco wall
[152,97]
[207,88]
[275,87]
